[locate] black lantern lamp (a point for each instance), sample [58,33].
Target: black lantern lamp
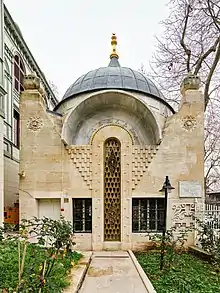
[167,187]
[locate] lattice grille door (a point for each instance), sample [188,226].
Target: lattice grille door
[112,190]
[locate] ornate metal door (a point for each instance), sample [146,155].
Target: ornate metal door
[112,190]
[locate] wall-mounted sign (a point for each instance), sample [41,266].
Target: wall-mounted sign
[191,189]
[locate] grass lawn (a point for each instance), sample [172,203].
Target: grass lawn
[188,274]
[35,257]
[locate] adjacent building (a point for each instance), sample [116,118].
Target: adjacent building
[213,197]
[16,60]
[2,93]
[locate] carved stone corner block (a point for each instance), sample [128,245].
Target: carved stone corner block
[31,82]
[190,82]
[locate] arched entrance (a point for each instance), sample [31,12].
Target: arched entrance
[112,190]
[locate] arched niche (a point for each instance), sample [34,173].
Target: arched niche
[110,107]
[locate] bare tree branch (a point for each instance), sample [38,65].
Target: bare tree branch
[182,41]
[191,42]
[204,56]
[210,74]
[215,17]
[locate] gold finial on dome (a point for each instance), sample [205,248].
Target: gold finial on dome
[114,44]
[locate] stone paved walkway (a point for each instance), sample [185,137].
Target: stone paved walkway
[112,272]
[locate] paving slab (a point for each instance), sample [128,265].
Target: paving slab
[112,254]
[112,272]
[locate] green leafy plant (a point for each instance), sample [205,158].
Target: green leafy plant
[1,234]
[188,274]
[209,238]
[170,244]
[39,264]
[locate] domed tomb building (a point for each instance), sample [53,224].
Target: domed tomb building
[101,156]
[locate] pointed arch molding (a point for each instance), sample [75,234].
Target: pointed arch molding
[111,107]
[107,123]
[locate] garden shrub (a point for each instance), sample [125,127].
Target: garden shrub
[40,266]
[209,238]
[169,245]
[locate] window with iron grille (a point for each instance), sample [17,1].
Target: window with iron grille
[147,214]
[82,215]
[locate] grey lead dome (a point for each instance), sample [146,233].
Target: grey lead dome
[113,77]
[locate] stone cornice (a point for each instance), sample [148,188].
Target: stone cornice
[9,22]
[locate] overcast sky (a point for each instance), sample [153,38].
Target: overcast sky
[68,38]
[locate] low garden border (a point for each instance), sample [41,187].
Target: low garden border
[200,253]
[147,283]
[78,273]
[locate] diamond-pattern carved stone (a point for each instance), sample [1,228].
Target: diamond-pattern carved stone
[112,190]
[81,157]
[142,157]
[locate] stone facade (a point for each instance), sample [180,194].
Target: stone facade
[62,158]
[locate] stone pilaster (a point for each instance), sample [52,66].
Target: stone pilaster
[98,141]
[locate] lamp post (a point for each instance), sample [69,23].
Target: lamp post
[166,189]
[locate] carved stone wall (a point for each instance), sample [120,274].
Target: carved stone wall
[81,157]
[78,171]
[142,157]
[183,215]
